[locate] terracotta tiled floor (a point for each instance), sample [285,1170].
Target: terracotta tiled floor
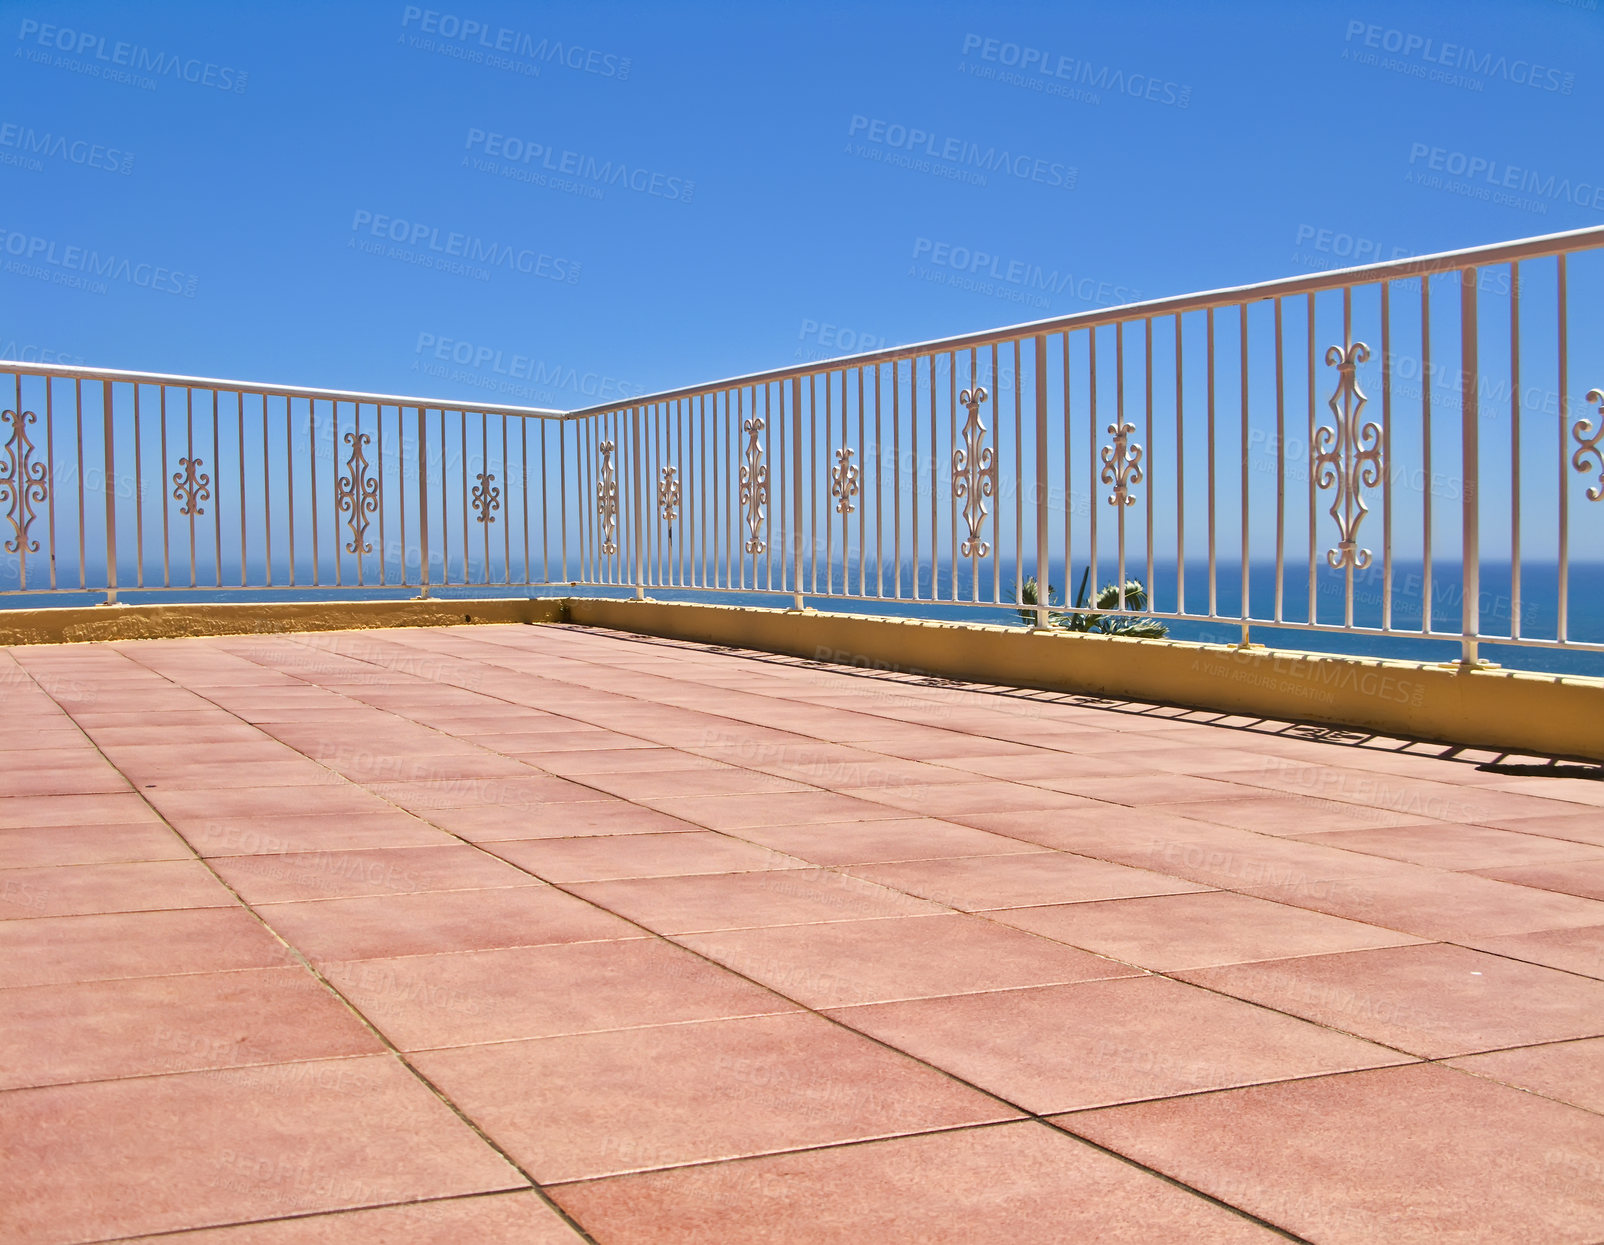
[518,934]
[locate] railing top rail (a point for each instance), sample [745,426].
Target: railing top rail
[1280,287]
[10,367]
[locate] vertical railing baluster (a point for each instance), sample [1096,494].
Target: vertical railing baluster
[78,427]
[1180,476]
[423,503]
[109,463]
[1428,483]
[244,555]
[1247,492]
[1119,424]
[1091,467]
[638,499]
[1353,432]
[896,478]
[1308,470]
[1515,407]
[1019,477]
[796,492]
[1147,440]
[1563,321]
[1470,458]
[217,503]
[1386,456]
[1280,465]
[1214,611]
[1043,575]
[139,491]
[1069,477]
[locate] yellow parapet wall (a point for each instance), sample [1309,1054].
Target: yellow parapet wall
[151,622]
[1547,715]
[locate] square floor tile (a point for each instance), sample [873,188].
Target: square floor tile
[788,808]
[1170,932]
[160,1153]
[875,842]
[371,871]
[1023,1183]
[1571,1072]
[56,950]
[486,1219]
[686,905]
[1579,950]
[186,807]
[1446,846]
[600,858]
[520,796]
[141,886]
[1430,903]
[983,882]
[500,995]
[1060,1048]
[94,1030]
[847,962]
[1409,1155]
[34,846]
[432,922]
[993,795]
[694,1092]
[1575,877]
[253,836]
[603,815]
[32,812]
[1431,1000]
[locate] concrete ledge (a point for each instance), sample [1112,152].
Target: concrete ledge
[148,622]
[1547,715]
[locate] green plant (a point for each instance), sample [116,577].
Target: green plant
[1104,618]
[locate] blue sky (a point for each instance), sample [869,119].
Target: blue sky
[746,184]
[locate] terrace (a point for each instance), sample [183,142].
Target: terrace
[443,837]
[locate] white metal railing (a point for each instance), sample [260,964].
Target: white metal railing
[932,476]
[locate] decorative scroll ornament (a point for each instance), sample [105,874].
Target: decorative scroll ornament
[974,474]
[22,481]
[1588,445]
[844,481]
[1347,457]
[668,496]
[191,487]
[754,484]
[486,497]
[357,494]
[1122,464]
[607,498]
